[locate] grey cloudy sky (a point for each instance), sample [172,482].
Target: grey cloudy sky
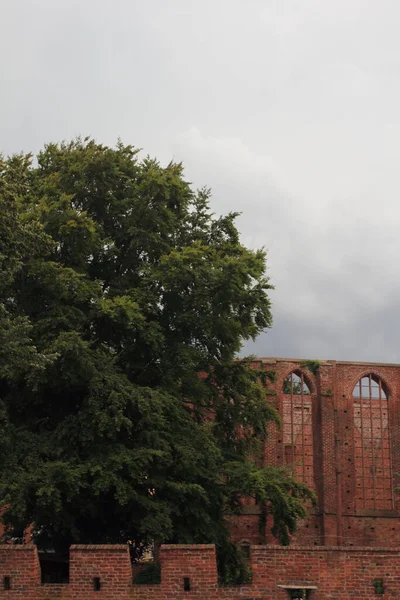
[289,110]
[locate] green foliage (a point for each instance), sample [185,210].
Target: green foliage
[283,497]
[293,387]
[312,365]
[118,289]
[327,392]
[379,586]
[233,567]
[293,384]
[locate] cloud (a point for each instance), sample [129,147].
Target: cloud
[335,291]
[287,109]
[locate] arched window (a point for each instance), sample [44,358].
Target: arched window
[297,427]
[295,384]
[372,445]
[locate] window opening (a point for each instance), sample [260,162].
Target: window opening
[372,445]
[295,384]
[54,567]
[297,428]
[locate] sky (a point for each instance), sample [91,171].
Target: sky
[289,110]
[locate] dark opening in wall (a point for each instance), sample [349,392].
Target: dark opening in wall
[96,584]
[148,574]
[54,567]
[298,593]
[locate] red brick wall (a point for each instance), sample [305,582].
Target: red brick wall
[336,572]
[21,564]
[345,573]
[335,456]
[109,563]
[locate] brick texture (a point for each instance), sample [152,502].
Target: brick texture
[329,572]
[346,448]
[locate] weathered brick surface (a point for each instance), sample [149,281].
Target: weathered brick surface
[21,565]
[332,451]
[247,528]
[109,563]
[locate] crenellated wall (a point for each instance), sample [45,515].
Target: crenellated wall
[345,573]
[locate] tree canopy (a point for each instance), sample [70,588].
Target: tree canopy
[124,414]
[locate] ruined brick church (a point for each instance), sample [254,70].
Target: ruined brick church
[340,435]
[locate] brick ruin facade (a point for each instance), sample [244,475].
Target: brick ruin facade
[340,434]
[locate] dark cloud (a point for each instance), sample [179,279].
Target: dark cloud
[288,110]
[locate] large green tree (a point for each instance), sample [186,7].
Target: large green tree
[123,303]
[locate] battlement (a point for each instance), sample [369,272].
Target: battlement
[189,572]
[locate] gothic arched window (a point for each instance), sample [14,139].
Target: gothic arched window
[297,427]
[373,467]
